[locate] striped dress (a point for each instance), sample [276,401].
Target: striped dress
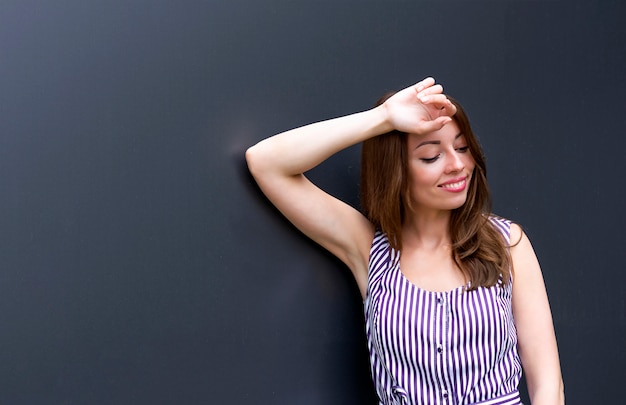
[434,348]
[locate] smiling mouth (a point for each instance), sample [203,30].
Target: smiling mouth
[456,186]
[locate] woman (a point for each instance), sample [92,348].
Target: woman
[453,309]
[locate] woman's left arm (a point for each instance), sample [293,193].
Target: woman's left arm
[535,330]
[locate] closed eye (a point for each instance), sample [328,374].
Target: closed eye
[430,160]
[462,149]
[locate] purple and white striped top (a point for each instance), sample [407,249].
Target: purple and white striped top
[434,348]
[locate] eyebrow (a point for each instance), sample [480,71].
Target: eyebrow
[437,142]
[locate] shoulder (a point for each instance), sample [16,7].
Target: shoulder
[502,225]
[511,231]
[523,256]
[516,234]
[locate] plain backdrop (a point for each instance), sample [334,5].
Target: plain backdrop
[139,263]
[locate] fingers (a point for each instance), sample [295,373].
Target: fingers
[443,104]
[449,109]
[436,124]
[432,94]
[434,99]
[427,88]
[440,103]
[427,101]
[430,91]
[426,83]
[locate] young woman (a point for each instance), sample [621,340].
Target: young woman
[453,308]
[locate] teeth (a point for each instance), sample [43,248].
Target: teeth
[454,185]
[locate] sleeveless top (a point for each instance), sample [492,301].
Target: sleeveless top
[434,348]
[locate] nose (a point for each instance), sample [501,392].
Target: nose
[454,162]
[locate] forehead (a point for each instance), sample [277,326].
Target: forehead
[448,133]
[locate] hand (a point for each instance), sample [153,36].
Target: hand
[420,108]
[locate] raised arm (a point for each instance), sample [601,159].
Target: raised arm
[278,164]
[535,331]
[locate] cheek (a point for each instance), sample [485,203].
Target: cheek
[468,161]
[423,174]
[471,164]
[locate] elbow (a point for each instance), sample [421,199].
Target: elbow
[263,160]
[561,392]
[266,162]
[253,160]
[548,393]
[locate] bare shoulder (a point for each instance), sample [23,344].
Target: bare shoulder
[519,241]
[516,234]
[526,266]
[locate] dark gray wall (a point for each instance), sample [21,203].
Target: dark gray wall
[140,264]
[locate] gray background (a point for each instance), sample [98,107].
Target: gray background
[140,264]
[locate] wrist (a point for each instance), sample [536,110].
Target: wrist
[381,120]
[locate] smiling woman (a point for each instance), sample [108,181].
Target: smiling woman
[449,170]
[444,315]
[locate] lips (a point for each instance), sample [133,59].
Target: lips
[455,185]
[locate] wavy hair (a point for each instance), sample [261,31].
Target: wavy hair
[478,249]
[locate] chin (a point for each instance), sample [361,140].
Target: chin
[457,203]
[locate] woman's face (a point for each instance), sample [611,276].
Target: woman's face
[440,169]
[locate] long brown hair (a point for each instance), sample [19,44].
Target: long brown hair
[478,249]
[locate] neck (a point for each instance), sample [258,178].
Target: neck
[427,230]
